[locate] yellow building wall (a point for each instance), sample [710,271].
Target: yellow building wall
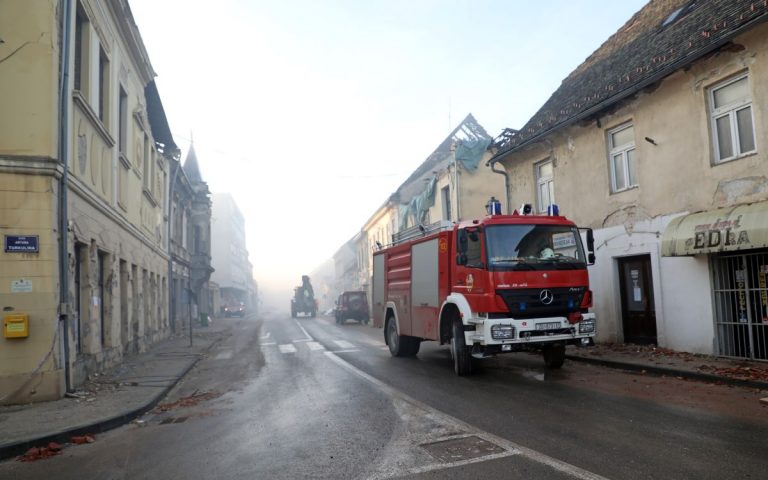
[116,205]
[31,57]
[475,188]
[30,367]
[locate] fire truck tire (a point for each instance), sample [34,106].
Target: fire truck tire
[462,357]
[554,356]
[400,345]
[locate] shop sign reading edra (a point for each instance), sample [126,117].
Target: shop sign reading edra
[22,244]
[743,227]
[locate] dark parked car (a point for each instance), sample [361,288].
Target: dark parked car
[352,305]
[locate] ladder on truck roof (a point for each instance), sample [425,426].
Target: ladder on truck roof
[418,231]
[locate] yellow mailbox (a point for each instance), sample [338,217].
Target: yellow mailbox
[16,325]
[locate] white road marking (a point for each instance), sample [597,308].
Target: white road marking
[510,447]
[268,343]
[266,335]
[343,344]
[287,348]
[315,346]
[309,337]
[225,355]
[302,340]
[351,350]
[385,347]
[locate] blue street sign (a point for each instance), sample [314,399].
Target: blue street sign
[21,244]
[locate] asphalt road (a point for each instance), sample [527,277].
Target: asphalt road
[284,398]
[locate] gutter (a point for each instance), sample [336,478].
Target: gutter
[65,96]
[622,95]
[506,186]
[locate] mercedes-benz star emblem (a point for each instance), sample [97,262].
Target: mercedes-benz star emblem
[546,297]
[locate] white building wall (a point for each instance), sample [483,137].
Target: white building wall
[682,287]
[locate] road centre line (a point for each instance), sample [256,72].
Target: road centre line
[511,447]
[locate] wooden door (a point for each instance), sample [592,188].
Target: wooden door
[637,304]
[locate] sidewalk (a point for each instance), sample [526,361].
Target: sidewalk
[107,400]
[662,361]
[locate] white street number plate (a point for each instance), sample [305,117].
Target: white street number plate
[548,326]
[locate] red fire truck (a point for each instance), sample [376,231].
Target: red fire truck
[499,284]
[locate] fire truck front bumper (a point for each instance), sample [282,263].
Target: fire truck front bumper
[509,334]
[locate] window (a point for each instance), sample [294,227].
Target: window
[733,131]
[103,87]
[621,145]
[545,185]
[147,159]
[470,247]
[445,194]
[534,247]
[81,46]
[123,126]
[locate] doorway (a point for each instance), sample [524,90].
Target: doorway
[638,309]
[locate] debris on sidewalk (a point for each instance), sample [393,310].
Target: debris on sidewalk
[82,439]
[743,373]
[189,401]
[39,453]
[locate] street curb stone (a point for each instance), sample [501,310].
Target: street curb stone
[637,367]
[12,450]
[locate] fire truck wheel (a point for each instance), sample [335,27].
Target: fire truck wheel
[554,356]
[400,345]
[462,358]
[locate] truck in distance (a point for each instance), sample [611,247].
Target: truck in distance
[499,284]
[303,300]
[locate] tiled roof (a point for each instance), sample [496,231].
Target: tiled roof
[641,53]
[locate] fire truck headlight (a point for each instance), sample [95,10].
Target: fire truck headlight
[587,326]
[502,332]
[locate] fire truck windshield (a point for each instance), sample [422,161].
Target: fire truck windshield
[534,247]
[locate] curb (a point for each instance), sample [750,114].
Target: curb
[636,367]
[9,451]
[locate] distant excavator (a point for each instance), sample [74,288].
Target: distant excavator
[303,300]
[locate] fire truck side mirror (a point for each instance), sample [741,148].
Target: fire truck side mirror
[590,247]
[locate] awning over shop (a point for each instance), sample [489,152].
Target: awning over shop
[723,230]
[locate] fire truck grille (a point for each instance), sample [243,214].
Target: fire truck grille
[542,302]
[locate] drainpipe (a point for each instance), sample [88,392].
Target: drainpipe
[65,96]
[506,184]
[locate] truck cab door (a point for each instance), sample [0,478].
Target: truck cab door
[471,274]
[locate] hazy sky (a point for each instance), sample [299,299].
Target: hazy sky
[311,112]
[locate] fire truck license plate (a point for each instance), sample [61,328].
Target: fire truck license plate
[548,326]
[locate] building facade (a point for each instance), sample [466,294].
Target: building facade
[658,142]
[233,271]
[190,244]
[84,157]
